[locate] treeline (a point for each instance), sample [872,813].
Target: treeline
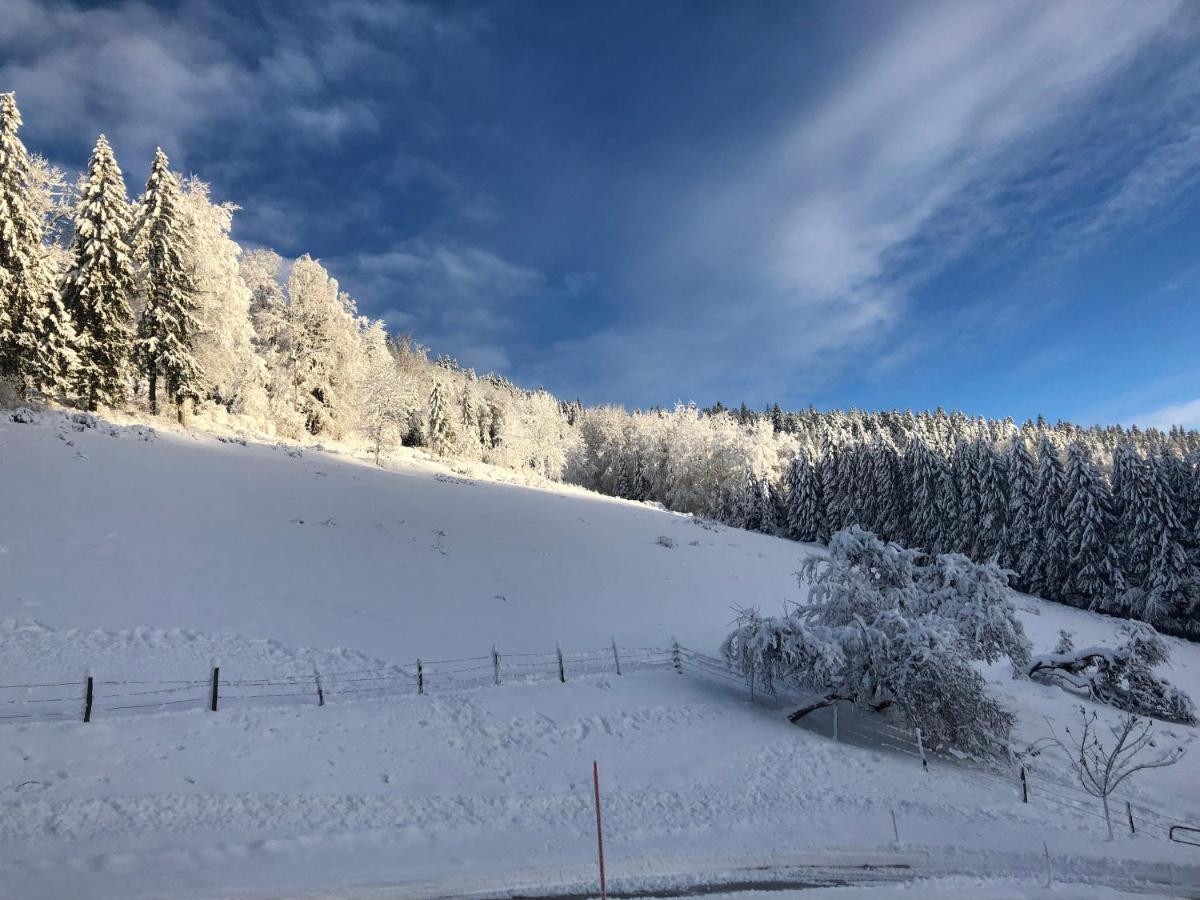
[1102,518]
[108,302]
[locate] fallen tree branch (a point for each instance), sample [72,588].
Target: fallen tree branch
[827,700]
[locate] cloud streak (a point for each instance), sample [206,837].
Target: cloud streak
[1185,414]
[205,73]
[808,255]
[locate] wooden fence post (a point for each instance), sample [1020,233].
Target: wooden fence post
[87,701]
[495,665]
[420,678]
[675,656]
[616,656]
[921,749]
[599,830]
[216,677]
[1128,810]
[320,690]
[895,829]
[562,673]
[835,720]
[1024,787]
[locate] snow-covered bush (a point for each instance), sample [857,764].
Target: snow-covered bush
[885,625]
[1122,677]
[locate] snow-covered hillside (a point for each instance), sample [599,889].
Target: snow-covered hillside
[183,531]
[140,555]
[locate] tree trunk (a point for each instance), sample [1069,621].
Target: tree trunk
[827,700]
[153,387]
[183,410]
[1107,817]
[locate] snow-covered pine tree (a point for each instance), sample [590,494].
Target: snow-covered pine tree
[1153,548]
[832,469]
[642,486]
[747,503]
[439,432]
[992,533]
[101,282]
[168,322]
[885,473]
[1190,502]
[773,511]
[1093,577]
[1176,474]
[964,535]
[36,336]
[627,470]
[947,498]
[926,516]
[803,510]
[858,475]
[1051,571]
[1021,549]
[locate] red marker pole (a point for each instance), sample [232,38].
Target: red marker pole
[599,831]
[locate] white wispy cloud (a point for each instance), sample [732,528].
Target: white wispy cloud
[1186,414]
[209,72]
[458,299]
[807,254]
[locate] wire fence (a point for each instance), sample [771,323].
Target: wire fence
[886,731]
[1043,784]
[93,697]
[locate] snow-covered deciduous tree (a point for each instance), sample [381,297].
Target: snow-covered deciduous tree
[53,197]
[36,336]
[101,282]
[1121,676]
[233,374]
[167,327]
[382,413]
[885,625]
[261,270]
[319,387]
[1104,764]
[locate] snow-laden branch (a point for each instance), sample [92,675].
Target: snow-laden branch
[888,625]
[1122,676]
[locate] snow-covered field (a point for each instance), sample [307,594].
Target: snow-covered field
[144,556]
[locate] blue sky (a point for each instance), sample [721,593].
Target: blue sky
[988,206]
